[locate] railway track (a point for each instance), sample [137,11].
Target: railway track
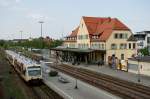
[37,91]
[121,88]
[43,92]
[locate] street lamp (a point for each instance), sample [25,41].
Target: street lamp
[76,85]
[57,58]
[41,22]
[138,58]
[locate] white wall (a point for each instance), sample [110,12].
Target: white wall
[144,67]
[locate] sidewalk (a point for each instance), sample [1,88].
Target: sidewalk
[145,80]
[84,91]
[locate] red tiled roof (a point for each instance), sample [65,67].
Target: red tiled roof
[74,32]
[103,26]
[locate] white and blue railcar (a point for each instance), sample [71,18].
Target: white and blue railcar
[28,69]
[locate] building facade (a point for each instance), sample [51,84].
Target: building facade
[143,39]
[101,38]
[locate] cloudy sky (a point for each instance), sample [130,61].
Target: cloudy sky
[62,16]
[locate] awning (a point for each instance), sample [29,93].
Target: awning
[77,50]
[73,50]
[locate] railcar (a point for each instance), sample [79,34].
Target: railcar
[27,68]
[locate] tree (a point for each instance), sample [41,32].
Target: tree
[144,51]
[35,43]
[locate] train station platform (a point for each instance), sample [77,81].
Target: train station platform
[68,91]
[144,80]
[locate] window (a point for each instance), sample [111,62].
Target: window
[126,36]
[79,45]
[102,46]
[87,45]
[113,46]
[97,37]
[129,45]
[134,45]
[80,37]
[34,71]
[99,46]
[122,56]
[120,36]
[86,36]
[123,46]
[116,36]
[148,39]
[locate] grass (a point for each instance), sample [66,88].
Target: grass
[9,83]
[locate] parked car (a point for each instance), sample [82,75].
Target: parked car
[62,79]
[53,73]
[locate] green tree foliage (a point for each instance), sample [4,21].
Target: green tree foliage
[35,43]
[2,43]
[144,51]
[56,43]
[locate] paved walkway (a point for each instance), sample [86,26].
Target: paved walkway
[84,91]
[145,80]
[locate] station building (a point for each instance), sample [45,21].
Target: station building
[98,38]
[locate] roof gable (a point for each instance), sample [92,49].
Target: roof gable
[103,26]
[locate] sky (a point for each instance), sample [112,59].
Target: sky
[62,16]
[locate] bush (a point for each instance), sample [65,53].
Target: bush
[144,51]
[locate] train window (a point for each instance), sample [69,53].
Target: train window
[34,71]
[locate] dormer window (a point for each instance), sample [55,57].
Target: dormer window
[97,36]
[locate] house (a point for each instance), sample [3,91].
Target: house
[98,38]
[143,39]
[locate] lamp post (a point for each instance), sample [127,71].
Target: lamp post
[138,59]
[41,22]
[56,58]
[76,83]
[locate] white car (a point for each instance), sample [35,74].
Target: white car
[62,79]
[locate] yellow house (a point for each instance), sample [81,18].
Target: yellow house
[98,38]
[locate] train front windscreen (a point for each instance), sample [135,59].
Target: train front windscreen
[34,71]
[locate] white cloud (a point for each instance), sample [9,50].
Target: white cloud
[38,17]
